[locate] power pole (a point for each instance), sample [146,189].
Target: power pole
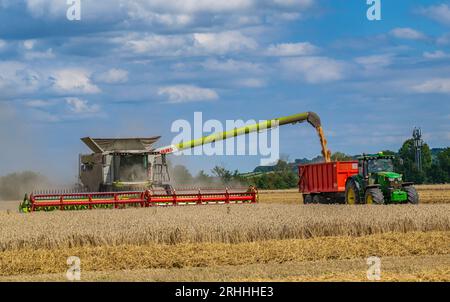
[418,144]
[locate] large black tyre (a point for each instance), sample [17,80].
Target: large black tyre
[317,199]
[307,199]
[374,196]
[351,193]
[413,196]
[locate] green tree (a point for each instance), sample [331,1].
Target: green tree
[407,165]
[439,171]
[223,174]
[340,156]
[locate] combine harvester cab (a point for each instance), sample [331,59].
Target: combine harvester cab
[129,172]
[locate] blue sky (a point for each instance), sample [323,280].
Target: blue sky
[130,68]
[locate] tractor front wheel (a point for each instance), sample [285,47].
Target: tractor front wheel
[413,196]
[351,193]
[374,196]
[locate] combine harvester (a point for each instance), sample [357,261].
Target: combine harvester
[129,172]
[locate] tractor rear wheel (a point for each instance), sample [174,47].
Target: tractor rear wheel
[413,196]
[307,199]
[351,193]
[374,196]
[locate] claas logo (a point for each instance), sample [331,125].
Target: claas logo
[166,150]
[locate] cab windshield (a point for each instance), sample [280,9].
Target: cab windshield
[133,167]
[380,165]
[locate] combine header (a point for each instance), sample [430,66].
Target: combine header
[147,198]
[129,172]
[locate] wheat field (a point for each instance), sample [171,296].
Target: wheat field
[210,224]
[277,240]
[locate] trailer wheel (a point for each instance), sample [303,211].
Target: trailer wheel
[307,199]
[374,196]
[317,199]
[351,193]
[413,196]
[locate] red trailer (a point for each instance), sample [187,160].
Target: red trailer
[325,182]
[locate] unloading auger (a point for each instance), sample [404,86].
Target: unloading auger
[123,172]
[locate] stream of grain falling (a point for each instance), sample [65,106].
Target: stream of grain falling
[326,153]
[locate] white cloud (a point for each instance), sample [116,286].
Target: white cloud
[29,44]
[290,3]
[407,33]
[80,106]
[113,76]
[437,85]
[33,55]
[2,44]
[231,65]
[443,39]
[314,69]
[223,42]
[187,44]
[251,83]
[154,44]
[73,80]
[41,8]
[291,49]
[438,54]
[193,6]
[187,93]
[17,78]
[440,13]
[39,103]
[375,61]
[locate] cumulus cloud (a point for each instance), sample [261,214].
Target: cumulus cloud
[291,49]
[314,69]
[172,13]
[29,44]
[153,44]
[80,106]
[187,44]
[113,76]
[223,42]
[231,65]
[39,103]
[73,80]
[374,62]
[437,85]
[33,55]
[440,13]
[187,93]
[438,54]
[407,33]
[16,78]
[251,83]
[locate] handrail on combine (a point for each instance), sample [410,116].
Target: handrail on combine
[147,198]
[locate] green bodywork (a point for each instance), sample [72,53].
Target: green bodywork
[376,170]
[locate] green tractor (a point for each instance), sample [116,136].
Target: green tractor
[377,183]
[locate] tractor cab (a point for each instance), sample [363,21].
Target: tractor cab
[375,167]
